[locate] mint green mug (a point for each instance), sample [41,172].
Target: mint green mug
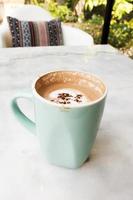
[66,133]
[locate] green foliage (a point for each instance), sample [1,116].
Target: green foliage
[69,3]
[90,4]
[130,23]
[122,7]
[120,34]
[121,28]
[121,31]
[62,12]
[98,20]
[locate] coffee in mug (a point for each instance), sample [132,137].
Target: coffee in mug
[69,88]
[68,110]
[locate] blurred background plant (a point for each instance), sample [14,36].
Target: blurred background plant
[89,16]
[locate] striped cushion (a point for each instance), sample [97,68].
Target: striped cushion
[42,33]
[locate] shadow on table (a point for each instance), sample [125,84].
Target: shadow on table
[103,146]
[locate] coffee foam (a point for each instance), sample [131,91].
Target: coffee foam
[68,96]
[70,82]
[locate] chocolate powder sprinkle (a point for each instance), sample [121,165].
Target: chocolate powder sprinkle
[68,102]
[79,95]
[65,98]
[78,101]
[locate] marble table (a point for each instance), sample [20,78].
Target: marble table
[108,175]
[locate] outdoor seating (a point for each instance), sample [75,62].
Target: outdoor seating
[71,36]
[56,78]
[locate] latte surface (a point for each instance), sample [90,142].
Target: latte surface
[65,95]
[69,88]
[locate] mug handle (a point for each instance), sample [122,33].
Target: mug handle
[25,121]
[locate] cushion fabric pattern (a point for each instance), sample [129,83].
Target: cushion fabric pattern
[33,33]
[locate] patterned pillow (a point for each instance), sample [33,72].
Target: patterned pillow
[41,33]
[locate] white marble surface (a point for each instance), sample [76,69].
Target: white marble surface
[24,175]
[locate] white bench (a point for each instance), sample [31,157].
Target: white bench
[72,36]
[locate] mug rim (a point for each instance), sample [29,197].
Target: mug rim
[42,99]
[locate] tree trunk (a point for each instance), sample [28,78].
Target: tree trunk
[74,3]
[79,8]
[107,19]
[27,2]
